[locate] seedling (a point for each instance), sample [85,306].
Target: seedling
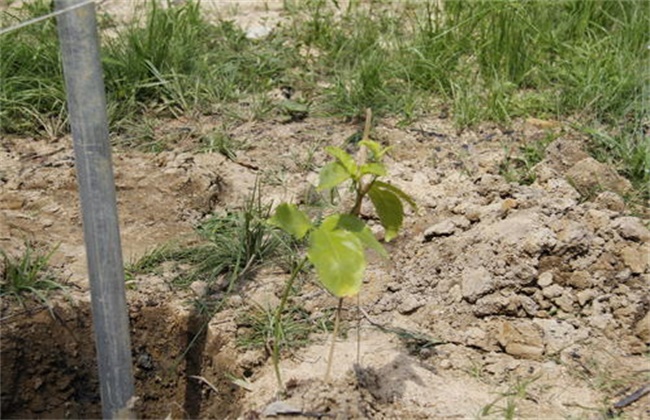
[336,246]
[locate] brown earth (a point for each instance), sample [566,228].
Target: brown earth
[536,295]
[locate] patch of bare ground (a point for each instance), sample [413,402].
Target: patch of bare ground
[498,298]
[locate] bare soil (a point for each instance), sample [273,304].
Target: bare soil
[499,299]
[531,298]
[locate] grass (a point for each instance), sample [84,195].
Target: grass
[485,60]
[28,274]
[518,165]
[505,405]
[258,328]
[232,247]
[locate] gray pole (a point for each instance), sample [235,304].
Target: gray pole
[87,108]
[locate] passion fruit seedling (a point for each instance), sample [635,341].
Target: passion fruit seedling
[337,246]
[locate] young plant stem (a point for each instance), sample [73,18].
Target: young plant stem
[337,321]
[277,323]
[359,328]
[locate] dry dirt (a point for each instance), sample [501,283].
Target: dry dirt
[499,299]
[536,297]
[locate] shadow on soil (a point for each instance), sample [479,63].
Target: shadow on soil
[49,369]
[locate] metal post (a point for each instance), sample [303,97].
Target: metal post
[87,108]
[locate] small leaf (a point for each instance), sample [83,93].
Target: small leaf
[344,159]
[332,175]
[375,148]
[290,219]
[355,225]
[339,260]
[398,192]
[389,209]
[373,168]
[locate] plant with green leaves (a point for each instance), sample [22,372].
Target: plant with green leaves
[337,246]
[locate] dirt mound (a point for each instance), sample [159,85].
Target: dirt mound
[499,298]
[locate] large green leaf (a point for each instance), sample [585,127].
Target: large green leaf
[398,192]
[344,159]
[339,260]
[373,168]
[354,225]
[332,175]
[389,209]
[290,219]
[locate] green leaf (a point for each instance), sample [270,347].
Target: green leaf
[339,260]
[354,225]
[332,175]
[344,159]
[398,192]
[375,148]
[373,168]
[389,209]
[290,219]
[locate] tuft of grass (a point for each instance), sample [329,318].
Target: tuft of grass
[518,166]
[508,408]
[259,331]
[220,141]
[150,262]
[28,274]
[235,245]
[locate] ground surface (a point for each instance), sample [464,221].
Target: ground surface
[499,299]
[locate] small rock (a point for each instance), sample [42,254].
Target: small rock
[455,294]
[573,236]
[545,279]
[200,288]
[477,337]
[258,32]
[586,296]
[631,228]
[553,291]
[523,340]
[444,228]
[565,302]
[508,204]
[409,305]
[591,175]
[601,321]
[563,153]
[524,302]
[636,259]
[490,305]
[476,282]
[599,219]
[580,280]
[642,328]
[610,201]
[559,335]
[539,240]
[473,215]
